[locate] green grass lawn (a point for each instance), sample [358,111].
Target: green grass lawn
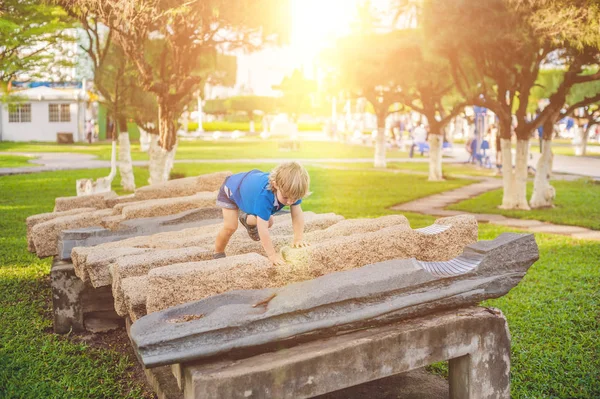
[552,314]
[224,149]
[14,161]
[577,204]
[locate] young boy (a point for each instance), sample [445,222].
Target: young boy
[257,196]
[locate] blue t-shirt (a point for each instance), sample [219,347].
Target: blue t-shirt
[250,192]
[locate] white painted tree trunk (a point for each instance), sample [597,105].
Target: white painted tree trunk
[543,192]
[251,126]
[125,163]
[435,157]
[515,181]
[380,149]
[161,161]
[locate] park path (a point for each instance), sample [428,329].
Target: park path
[435,205]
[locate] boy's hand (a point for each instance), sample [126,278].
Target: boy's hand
[300,244]
[276,260]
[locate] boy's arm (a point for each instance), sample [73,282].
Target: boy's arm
[263,232]
[298,225]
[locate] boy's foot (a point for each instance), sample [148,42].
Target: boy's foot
[218,255]
[252,230]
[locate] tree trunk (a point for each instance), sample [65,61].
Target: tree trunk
[125,162]
[200,127]
[584,139]
[166,126]
[380,143]
[161,161]
[515,181]
[543,192]
[435,157]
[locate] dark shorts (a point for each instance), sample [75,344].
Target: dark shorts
[223,198]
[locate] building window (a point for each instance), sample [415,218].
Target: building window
[19,113]
[59,113]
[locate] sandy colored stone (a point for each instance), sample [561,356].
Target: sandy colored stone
[112,222]
[141,264]
[45,235]
[134,296]
[98,201]
[92,264]
[183,283]
[182,187]
[44,217]
[118,208]
[122,199]
[168,206]
[197,280]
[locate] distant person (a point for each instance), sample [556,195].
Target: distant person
[253,197]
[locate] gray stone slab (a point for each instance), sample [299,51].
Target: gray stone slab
[374,294]
[92,236]
[476,342]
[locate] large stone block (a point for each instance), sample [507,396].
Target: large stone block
[97,201]
[395,242]
[168,206]
[165,285]
[183,282]
[476,342]
[140,265]
[92,264]
[44,217]
[45,235]
[92,236]
[183,187]
[259,320]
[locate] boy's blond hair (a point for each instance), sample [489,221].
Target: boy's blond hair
[291,179]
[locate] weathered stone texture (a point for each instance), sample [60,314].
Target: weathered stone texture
[168,206]
[44,217]
[97,201]
[182,187]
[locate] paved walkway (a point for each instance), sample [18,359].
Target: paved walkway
[434,205]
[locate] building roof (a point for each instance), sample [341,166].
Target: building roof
[45,94]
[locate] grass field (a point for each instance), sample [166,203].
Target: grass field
[14,161]
[577,203]
[553,313]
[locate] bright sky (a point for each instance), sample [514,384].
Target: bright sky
[316,23]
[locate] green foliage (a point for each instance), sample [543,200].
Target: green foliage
[576,204]
[250,104]
[215,107]
[25,26]
[297,92]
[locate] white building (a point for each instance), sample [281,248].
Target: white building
[42,113]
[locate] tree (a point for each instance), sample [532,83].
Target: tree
[496,51]
[31,35]
[184,32]
[426,87]
[296,91]
[249,105]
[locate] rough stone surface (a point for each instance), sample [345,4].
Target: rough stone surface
[67,290]
[399,241]
[182,187]
[477,341]
[375,294]
[45,235]
[168,206]
[197,280]
[87,237]
[134,296]
[139,265]
[97,201]
[111,202]
[92,264]
[44,217]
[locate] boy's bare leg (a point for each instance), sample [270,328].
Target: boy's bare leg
[251,220]
[230,224]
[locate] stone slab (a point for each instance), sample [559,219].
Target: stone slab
[475,340]
[92,236]
[259,320]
